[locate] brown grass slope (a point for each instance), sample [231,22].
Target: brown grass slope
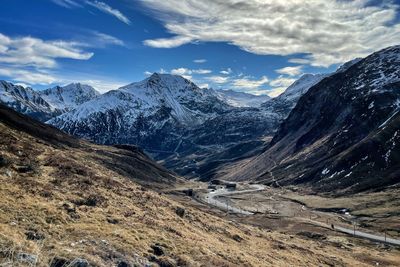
[62,200]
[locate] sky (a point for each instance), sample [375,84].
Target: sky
[254,46]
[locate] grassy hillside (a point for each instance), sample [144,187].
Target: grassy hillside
[64,201]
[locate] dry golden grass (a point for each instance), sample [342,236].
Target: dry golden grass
[74,206]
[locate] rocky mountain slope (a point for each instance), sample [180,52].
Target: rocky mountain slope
[27,101]
[190,130]
[171,118]
[285,102]
[342,135]
[66,202]
[46,104]
[68,97]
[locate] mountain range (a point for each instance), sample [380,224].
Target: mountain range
[189,129]
[313,133]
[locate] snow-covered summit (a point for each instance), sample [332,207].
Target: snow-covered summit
[26,100]
[70,96]
[142,108]
[301,86]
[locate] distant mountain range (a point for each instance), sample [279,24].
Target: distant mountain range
[191,130]
[343,134]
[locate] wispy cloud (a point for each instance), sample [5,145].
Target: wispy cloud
[67,3]
[109,10]
[168,42]
[248,83]
[28,76]
[291,71]
[29,51]
[326,32]
[226,71]
[200,61]
[35,61]
[185,71]
[105,39]
[282,81]
[218,79]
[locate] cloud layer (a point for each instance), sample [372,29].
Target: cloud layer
[328,32]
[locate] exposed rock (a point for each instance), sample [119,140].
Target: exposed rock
[158,250]
[112,220]
[31,259]
[59,262]
[180,212]
[311,235]
[237,238]
[34,235]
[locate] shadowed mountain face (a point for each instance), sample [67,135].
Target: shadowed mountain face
[343,133]
[128,161]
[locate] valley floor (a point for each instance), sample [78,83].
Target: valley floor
[310,217]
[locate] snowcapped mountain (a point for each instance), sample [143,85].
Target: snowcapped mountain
[240,99]
[284,103]
[68,97]
[27,101]
[47,104]
[160,106]
[343,134]
[172,119]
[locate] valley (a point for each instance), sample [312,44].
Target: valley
[164,173]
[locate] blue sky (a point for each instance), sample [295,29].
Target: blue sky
[254,46]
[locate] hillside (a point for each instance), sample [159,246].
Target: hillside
[342,135]
[66,201]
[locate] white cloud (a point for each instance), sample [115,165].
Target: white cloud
[329,32]
[282,81]
[185,71]
[109,10]
[106,39]
[29,51]
[218,79]
[200,61]
[226,72]
[276,91]
[201,71]
[248,83]
[291,71]
[167,42]
[28,76]
[180,71]
[303,61]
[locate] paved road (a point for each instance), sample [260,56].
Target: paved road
[212,198]
[378,238]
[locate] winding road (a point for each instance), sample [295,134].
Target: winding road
[213,199]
